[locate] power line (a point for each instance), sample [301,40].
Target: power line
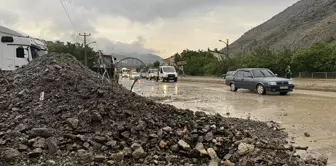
[67,13]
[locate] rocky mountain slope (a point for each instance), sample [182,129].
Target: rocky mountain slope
[299,26]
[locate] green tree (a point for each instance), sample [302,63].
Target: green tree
[76,50]
[156,64]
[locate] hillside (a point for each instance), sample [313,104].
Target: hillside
[299,26]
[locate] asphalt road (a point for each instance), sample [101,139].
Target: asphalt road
[301,111]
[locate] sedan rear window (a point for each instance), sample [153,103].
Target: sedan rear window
[262,73]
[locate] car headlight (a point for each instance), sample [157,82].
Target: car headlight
[291,82]
[272,83]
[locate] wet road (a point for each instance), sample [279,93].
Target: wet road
[301,111]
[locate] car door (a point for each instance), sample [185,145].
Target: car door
[238,78]
[248,80]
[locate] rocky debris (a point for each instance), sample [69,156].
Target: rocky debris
[35,153]
[184,145]
[117,156]
[245,148]
[83,120]
[306,134]
[11,154]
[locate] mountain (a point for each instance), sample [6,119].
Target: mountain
[299,26]
[146,58]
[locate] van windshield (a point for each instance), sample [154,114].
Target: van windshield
[169,69]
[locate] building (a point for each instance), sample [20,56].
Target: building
[169,61]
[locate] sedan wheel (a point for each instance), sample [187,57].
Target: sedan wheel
[233,87]
[261,89]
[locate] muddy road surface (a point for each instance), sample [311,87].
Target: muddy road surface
[300,112]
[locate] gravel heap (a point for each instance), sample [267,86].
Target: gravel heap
[55,111]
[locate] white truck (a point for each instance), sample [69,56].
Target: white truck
[167,73]
[17,49]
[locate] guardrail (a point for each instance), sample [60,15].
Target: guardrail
[320,75]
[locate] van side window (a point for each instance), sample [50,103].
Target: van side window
[20,52]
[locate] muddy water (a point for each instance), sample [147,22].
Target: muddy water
[299,112]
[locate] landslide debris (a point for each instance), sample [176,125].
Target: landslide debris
[55,111]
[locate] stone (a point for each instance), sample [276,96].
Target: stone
[174,148]
[184,145]
[86,145]
[99,139]
[245,148]
[306,134]
[81,152]
[209,136]
[162,144]
[200,114]
[135,146]
[117,156]
[201,149]
[227,156]
[35,153]
[72,122]
[51,162]
[138,153]
[141,125]
[125,134]
[213,163]
[167,129]
[212,153]
[52,145]
[21,127]
[110,163]
[41,132]
[323,159]
[40,143]
[111,143]
[11,154]
[22,147]
[127,151]
[99,158]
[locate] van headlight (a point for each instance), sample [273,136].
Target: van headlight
[272,83]
[291,82]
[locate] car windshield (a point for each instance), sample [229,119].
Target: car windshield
[263,73]
[168,69]
[153,71]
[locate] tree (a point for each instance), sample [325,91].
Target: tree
[76,50]
[156,64]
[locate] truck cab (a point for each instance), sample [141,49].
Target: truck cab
[167,73]
[16,50]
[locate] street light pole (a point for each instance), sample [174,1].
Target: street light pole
[227,45]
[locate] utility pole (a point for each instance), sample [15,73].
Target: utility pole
[85,56]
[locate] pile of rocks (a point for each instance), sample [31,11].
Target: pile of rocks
[55,111]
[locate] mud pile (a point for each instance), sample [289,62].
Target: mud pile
[55,111]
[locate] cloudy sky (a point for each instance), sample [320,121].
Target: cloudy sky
[163,27]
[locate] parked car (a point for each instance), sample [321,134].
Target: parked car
[260,79]
[152,74]
[134,75]
[227,74]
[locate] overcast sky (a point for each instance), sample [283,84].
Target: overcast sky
[163,27]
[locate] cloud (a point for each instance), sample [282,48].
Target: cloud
[146,26]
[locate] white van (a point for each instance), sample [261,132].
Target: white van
[17,49]
[167,73]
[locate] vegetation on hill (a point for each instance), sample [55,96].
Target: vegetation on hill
[319,58]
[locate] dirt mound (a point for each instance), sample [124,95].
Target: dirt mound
[55,111]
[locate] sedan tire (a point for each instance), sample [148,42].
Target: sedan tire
[233,87]
[261,89]
[283,93]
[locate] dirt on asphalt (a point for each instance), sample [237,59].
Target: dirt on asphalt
[55,111]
